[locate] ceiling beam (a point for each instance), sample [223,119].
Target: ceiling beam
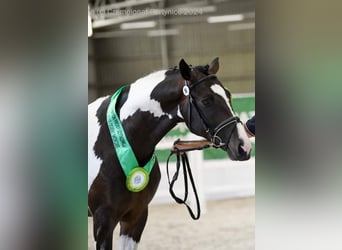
[100,23]
[126,4]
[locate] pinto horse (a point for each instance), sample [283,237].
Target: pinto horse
[148,109]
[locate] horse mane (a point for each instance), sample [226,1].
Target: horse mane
[201,68]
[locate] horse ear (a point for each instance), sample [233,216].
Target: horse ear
[184,69]
[214,66]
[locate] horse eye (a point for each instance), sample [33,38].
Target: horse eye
[207,100]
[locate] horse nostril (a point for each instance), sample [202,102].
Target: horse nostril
[242,151]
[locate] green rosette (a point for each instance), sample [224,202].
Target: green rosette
[137,177]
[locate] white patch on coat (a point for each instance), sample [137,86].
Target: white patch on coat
[217,89]
[247,145]
[127,243]
[139,96]
[94,162]
[179,113]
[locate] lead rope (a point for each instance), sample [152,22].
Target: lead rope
[187,174]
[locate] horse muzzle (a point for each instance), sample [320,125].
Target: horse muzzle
[236,143]
[238,152]
[244,151]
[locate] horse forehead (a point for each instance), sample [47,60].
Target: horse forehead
[219,90]
[139,96]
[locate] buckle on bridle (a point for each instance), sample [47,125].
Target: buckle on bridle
[217,141]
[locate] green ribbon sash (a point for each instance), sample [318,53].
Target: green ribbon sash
[136,177]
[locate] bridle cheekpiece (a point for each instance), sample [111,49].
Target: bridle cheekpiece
[216,140]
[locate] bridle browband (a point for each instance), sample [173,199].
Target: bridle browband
[213,133]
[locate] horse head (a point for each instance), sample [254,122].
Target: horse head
[208,112]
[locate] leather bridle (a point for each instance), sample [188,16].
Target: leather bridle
[213,133]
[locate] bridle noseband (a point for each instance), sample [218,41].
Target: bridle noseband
[213,133]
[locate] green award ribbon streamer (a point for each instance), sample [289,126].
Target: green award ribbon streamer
[136,177]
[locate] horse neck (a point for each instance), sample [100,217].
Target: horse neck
[149,113]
